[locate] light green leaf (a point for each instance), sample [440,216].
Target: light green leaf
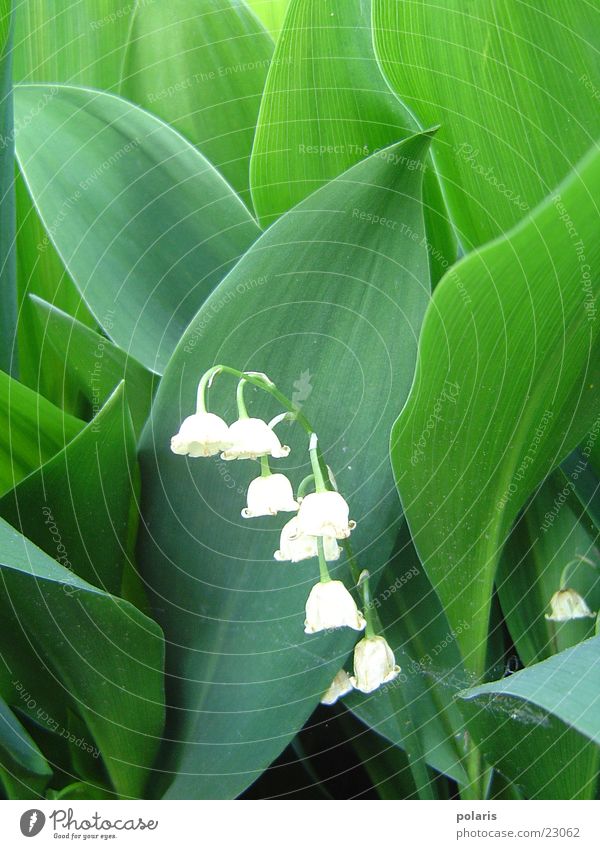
[270,12]
[201,67]
[33,430]
[512,85]
[81,43]
[536,724]
[91,366]
[506,385]
[545,539]
[76,506]
[8,281]
[142,221]
[330,309]
[105,656]
[326,106]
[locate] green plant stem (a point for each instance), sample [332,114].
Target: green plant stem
[323,570]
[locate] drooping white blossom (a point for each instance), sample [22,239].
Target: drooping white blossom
[325,514]
[295,546]
[252,438]
[567,604]
[330,605]
[201,435]
[374,664]
[340,686]
[268,496]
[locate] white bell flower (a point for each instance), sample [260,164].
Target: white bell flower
[340,686]
[330,605]
[325,514]
[567,604]
[201,435]
[295,546]
[269,495]
[374,664]
[253,438]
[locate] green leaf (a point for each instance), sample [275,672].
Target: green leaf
[22,765]
[91,365]
[81,44]
[512,85]
[432,673]
[8,282]
[270,12]
[545,539]
[141,219]
[105,656]
[580,477]
[201,67]
[33,430]
[506,385]
[326,107]
[76,506]
[330,309]
[536,724]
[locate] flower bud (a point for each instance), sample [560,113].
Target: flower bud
[253,438]
[567,604]
[269,495]
[325,514]
[295,546]
[340,686]
[201,435]
[374,664]
[330,605]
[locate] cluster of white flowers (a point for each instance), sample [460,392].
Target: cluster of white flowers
[321,519]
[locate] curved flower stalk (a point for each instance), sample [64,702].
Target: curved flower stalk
[567,604]
[322,519]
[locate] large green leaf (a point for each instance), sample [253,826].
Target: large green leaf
[91,366]
[506,385]
[270,12]
[537,724]
[76,506]
[8,285]
[81,42]
[326,106]
[201,67]
[33,430]
[105,656]
[22,765]
[330,308]
[512,85]
[141,219]
[432,673]
[546,538]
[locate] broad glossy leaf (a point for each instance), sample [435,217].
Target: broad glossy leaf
[91,365]
[105,656]
[81,43]
[8,284]
[144,223]
[22,765]
[546,538]
[432,673]
[506,386]
[201,67]
[331,310]
[270,12]
[76,506]
[581,478]
[537,724]
[327,106]
[41,272]
[512,85]
[33,430]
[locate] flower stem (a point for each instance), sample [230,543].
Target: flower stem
[265,469]
[576,562]
[309,480]
[239,397]
[325,576]
[205,382]
[369,613]
[315,462]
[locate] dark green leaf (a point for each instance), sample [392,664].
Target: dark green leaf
[8,280]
